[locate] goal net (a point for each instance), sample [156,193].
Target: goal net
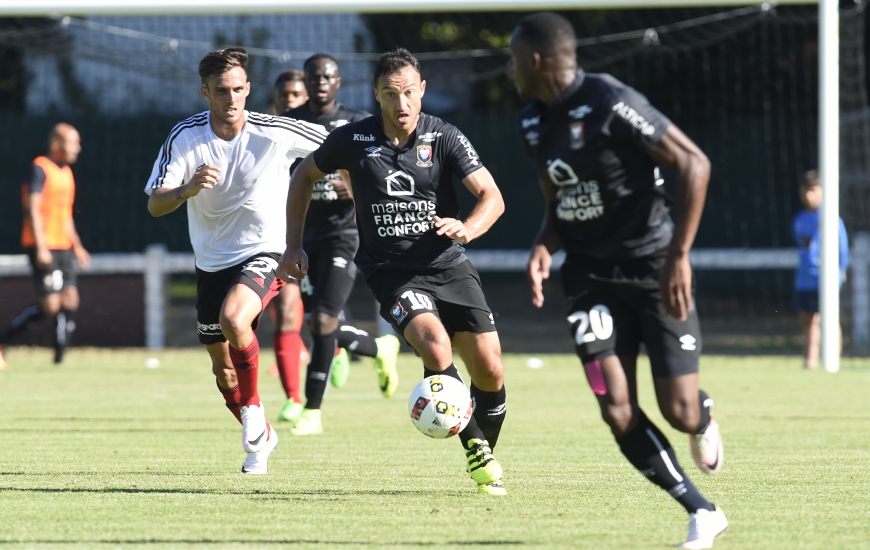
[742,82]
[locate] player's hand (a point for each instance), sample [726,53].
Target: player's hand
[205,177]
[676,286]
[82,256]
[293,264]
[452,228]
[539,271]
[342,189]
[43,257]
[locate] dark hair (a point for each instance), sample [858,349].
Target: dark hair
[393,62]
[220,61]
[318,57]
[546,32]
[293,75]
[809,180]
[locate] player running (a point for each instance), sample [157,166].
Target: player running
[401,166]
[596,144]
[231,166]
[330,240]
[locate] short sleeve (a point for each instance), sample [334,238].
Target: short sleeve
[169,169]
[460,156]
[304,138]
[633,118]
[328,156]
[35,180]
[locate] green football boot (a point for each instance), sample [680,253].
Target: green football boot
[482,466]
[290,412]
[496,488]
[340,369]
[385,364]
[308,423]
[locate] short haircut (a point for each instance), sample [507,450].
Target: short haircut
[809,180]
[218,62]
[293,75]
[546,32]
[393,62]
[318,57]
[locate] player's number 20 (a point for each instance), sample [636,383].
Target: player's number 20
[598,319]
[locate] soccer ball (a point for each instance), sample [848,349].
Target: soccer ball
[440,406]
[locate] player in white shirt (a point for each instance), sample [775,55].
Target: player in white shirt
[232,167]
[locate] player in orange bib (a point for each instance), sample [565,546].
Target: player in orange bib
[50,240]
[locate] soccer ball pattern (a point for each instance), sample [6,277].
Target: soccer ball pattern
[440,406]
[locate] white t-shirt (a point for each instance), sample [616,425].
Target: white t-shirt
[245,213]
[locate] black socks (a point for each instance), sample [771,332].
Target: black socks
[472,430]
[356,340]
[26,319]
[651,453]
[322,354]
[489,411]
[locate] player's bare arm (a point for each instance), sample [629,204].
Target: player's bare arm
[342,186]
[545,244]
[676,151]
[81,254]
[490,206]
[294,261]
[164,201]
[43,254]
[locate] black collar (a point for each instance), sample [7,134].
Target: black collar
[562,103]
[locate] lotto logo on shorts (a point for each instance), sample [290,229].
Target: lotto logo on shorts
[398,313]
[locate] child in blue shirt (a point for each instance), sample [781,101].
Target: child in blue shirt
[806,281]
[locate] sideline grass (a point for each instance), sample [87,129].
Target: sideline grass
[104,453]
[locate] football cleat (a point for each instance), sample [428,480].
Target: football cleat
[704,527]
[254,428]
[482,466]
[290,412]
[340,369]
[385,364]
[256,463]
[496,488]
[308,423]
[707,449]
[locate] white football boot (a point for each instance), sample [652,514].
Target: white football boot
[256,463]
[254,428]
[707,449]
[704,526]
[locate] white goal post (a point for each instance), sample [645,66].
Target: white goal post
[828,81]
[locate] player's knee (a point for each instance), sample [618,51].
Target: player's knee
[232,323]
[682,415]
[436,344]
[50,305]
[617,416]
[323,323]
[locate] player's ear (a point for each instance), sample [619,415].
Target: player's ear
[536,60]
[203,91]
[337,82]
[247,88]
[375,92]
[422,88]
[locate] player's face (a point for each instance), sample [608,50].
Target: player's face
[322,80]
[226,94]
[67,146]
[523,68]
[812,197]
[289,95]
[401,98]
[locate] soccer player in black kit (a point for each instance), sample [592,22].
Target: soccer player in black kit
[596,144]
[401,164]
[330,239]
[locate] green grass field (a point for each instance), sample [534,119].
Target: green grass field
[105,453]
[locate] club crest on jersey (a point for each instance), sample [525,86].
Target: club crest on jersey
[424,156]
[577,134]
[398,313]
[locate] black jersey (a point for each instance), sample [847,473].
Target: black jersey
[590,146]
[398,191]
[327,215]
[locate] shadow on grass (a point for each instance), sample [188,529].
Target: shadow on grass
[329,543]
[279,494]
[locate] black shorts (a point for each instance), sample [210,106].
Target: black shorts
[614,306]
[453,294]
[331,274]
[62,272]
[257,273]
[807,300]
